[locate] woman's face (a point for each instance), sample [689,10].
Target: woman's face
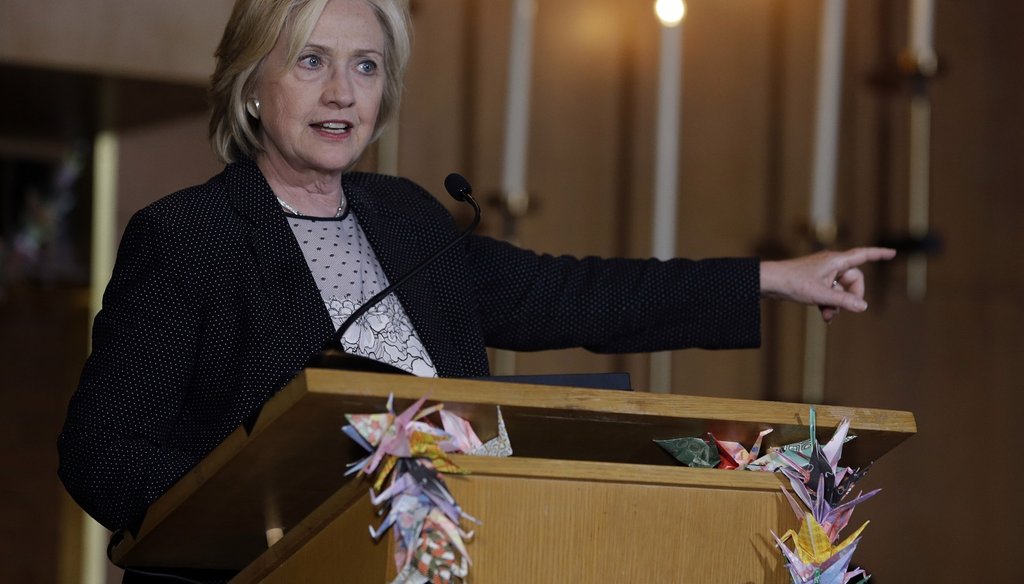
[318,113]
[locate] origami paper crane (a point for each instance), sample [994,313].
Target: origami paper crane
[500,445]
[712,452]
[734,455]
[798,453]
[695,452]
[822,485]
[813,545]
[408,453]
[815,559]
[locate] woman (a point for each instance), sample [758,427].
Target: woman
[223,291]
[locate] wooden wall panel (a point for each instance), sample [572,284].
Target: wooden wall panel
[161,40]
[161,158]
[953,358]
[433,117]
[43,347]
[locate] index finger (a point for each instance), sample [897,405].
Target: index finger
[860,255]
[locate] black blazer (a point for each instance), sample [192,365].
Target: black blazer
[211,309]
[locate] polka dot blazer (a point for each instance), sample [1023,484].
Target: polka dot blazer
[211,309]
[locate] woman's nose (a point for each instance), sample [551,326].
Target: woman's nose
[339,90]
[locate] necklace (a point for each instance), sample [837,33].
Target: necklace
[342,206]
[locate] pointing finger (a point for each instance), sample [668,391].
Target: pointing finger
[861,255]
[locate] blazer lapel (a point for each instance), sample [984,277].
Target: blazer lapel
[296,320]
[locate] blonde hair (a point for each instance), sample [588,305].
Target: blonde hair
[250,35]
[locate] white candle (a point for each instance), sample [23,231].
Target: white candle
[823,178]
[517,118]
[922,33]
[826,135]
[666,170]
[921,43]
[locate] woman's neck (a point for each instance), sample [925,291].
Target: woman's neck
[313,194]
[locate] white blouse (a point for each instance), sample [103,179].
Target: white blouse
[347,274]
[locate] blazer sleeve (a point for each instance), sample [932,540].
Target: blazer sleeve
[531,301]
[114,458]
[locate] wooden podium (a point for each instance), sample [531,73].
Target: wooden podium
[587,496]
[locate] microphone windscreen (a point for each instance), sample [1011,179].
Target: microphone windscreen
[457,186]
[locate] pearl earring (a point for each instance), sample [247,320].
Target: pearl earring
[252,105]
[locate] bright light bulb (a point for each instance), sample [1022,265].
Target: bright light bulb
[670,12]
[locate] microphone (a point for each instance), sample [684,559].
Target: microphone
[333,356]
[458,187]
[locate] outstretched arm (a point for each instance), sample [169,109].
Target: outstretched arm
[831,280]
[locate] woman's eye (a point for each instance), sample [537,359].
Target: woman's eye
[367,67]
[311,61]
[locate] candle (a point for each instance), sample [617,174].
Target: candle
[666,171]
[922,55]
[823,179]
[517,118]
[826,135]
[922,31]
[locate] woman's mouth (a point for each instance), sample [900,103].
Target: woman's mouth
[335,128]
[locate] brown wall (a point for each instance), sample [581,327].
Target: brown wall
[749,75]
[154,40]
[954,358]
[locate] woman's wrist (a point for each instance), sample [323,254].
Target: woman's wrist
[771,280]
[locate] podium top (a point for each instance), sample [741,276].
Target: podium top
[293,458]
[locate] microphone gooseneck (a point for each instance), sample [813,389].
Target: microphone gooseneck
[460,190]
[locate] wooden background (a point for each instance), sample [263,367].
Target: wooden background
[748,100]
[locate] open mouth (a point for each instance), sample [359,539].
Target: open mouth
[338,128]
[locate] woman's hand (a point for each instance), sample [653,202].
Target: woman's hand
[831,280]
